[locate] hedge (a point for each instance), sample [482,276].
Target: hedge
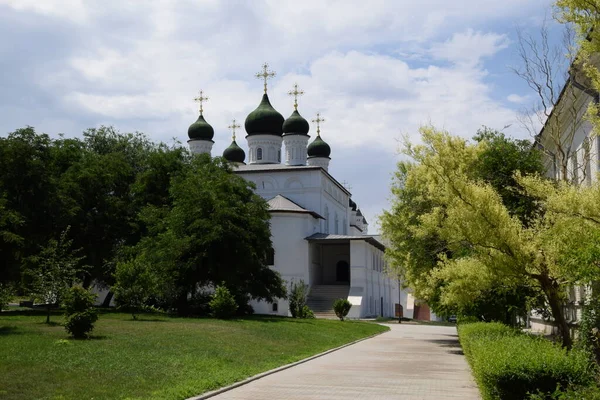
[509,365]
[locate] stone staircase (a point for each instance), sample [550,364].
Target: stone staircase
[321,298]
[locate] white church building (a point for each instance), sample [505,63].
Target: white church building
[318,232]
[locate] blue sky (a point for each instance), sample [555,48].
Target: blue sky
[376,70]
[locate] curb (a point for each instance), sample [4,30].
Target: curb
[278,369]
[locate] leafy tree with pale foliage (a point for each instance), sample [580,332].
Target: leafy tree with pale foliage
[53,271]
[485,246]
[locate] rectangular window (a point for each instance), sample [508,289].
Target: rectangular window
[270,257]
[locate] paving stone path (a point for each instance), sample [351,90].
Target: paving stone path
[410,362]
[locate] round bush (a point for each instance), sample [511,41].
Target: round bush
[79,312]
[341,308]
[223,303]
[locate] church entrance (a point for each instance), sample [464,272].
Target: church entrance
[342,272]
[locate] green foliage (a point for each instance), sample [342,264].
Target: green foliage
[135,286]
[223,303]
[509,365]
[216,231]
[297,298]
[414,223]
[573,393]
[79,312]
[494,249]
[588,338]
[6,295]
[342,308]
[53,270]
[306,313]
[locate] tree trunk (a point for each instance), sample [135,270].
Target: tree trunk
[47,313]
[551,290]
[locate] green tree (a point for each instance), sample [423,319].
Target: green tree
[216,231]
[134,285]
[418,251]
[53,270]
[487,247]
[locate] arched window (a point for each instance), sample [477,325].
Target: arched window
[345,227]
[326,219]
[279,155]
[259,154]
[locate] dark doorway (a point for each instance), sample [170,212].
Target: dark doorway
[342,272]
[381,308]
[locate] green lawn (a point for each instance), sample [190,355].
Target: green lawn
[156,357]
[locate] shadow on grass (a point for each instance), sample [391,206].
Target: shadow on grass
[148,320]
[9,330]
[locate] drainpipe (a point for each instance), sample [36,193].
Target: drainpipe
[399,302]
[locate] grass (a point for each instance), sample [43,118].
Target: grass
[156,357]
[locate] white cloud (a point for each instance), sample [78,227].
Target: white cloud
[375,69]
[469,47]
[515,98]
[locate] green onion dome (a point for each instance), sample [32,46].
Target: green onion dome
[234,153]
[296,124]
[201,130]
[318,148]
[264,120]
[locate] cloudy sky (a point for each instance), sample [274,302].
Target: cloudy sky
[375,69]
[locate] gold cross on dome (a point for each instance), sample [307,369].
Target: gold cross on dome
[296,93]
[201,99]
[346,185]
[318,121]
[265,74]
[233,126]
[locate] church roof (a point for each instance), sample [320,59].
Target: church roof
[326,236]
[283,168]
[281,203]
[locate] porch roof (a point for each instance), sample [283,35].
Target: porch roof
[281,203]
[326,237]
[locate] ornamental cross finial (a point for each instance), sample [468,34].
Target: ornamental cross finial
[232,127]
[201,99]
[296,92]
[265,74]
[318,121]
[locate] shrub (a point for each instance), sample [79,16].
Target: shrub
[79,312]
[135,285]
[223,303]
[306,312]
[6,295]
[341,308]
[297,298]
[580,393]
[509,365]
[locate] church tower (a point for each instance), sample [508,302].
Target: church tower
[200,132]
[264,128]
[319,151]
[295,133]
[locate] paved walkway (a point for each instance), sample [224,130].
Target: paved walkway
[410,362]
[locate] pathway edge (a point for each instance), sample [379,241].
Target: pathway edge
[278,369]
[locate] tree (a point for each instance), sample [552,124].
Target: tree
[554,74]
[416,252]
[487,247]
[53,270]
[216,231]
[135,285]
[297,299]
[80,314]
